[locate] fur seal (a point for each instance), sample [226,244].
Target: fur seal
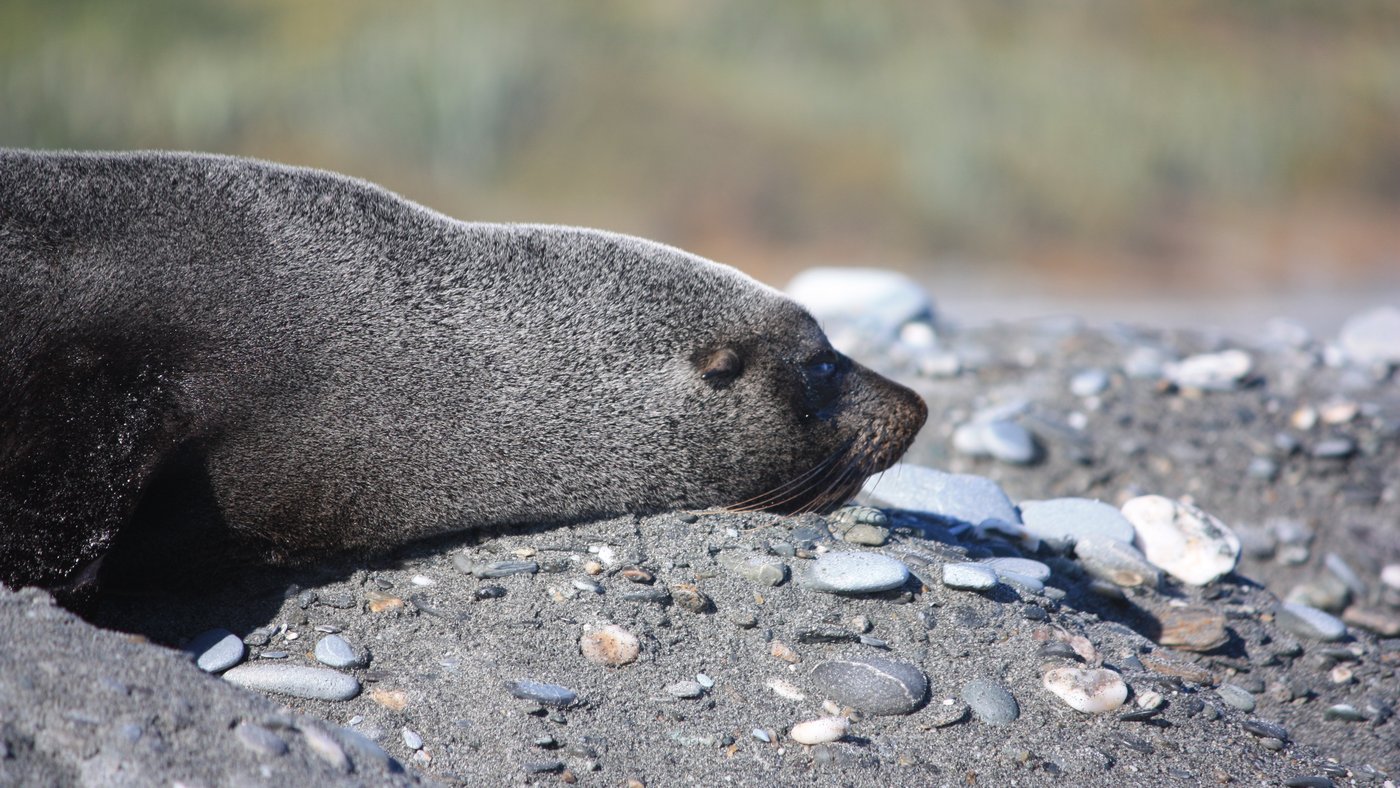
[208,354]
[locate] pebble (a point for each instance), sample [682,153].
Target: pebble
[873,685]
[969,577]
[411,740]
[856,573]
[1025,567]
[1146,363]
[1117,562]
[1381,622]
[326,748]
[690,597]
[1089,382]
[761,735]
[216,650]
[1372,337]
[609,645]
[764,571]
[1184,541]
[958,498]
[1338,447]
[1236,696]
[505,569]
[1390,576]
[819,731]
[1023,582]
[1267,730]
[1000,439]
[1309,622]
[685,689]
[1221,371]
[866,534]
[259,739]
[542,693]
[336,651]
[1192,628]
[1090,690]
[296,680]
[1070,520]
[990,702]
[1345,712]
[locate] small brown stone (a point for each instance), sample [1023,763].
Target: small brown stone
[782,651]
[1192,628]
[1377,621]
[609,645]
[1170,665]
[638,575]
[393,700]
[690,597]
[379,603]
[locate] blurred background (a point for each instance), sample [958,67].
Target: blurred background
[1177,161]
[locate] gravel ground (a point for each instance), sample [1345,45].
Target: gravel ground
[1297,454]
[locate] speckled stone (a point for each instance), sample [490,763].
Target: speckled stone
[856,573]
[873,685]
[295,680]
[990,702]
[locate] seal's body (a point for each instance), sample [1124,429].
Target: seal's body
[204,352]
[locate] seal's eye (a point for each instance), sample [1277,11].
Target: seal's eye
[822,366]
[721,367]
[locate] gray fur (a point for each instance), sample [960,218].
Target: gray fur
[204,350]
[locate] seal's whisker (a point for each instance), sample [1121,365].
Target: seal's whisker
[792,488]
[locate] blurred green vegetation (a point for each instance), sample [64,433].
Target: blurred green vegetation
[775,133]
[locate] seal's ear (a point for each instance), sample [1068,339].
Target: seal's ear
[721,367]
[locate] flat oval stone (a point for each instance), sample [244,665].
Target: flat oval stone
[336,651]
[216,650]
[1071,520]
[954,497]
[1236,696]
[1090,690]
[1210,371]
[541,693]
[295,680]
[856,573]
[969,577]
[1309,622]
[873,685]
[990,702]
[1184,541]
[819,731]
[1021,566]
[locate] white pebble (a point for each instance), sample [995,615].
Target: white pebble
[1184,541]
[1090,690]
[820,731]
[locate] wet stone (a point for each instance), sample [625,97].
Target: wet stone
[856,573]
[216,650]
[990,702]
[542,693]
[873,685]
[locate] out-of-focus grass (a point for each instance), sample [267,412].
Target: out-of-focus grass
[793,128]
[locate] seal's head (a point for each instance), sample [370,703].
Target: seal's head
[708,388]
